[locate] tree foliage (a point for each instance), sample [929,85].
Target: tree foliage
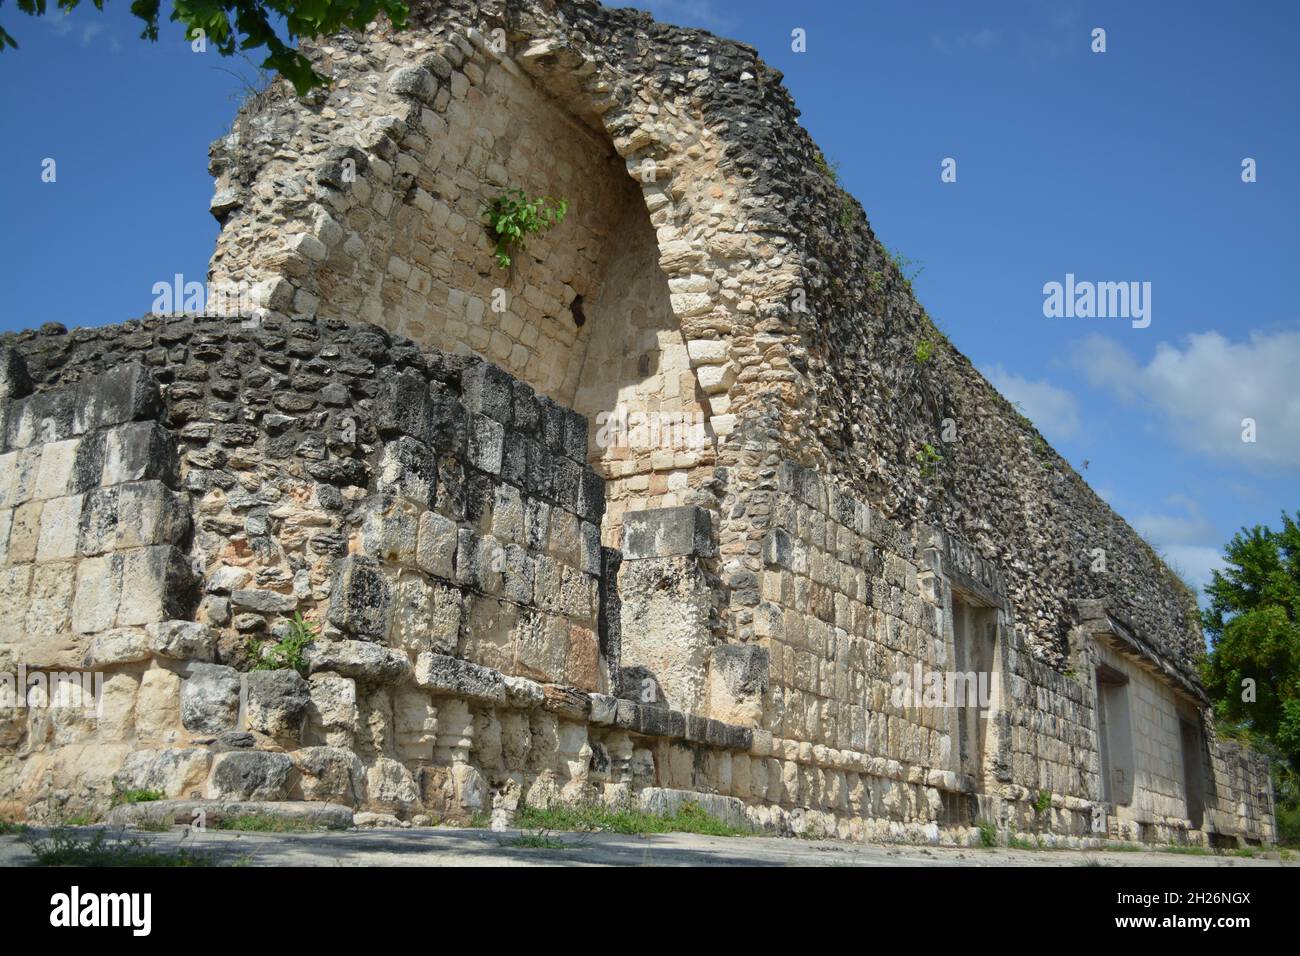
[1253,623]
[239,25]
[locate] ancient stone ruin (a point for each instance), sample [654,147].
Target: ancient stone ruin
[690,504]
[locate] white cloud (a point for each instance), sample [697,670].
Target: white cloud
[1204,390]
[1196,563]
[1052,409]
[1188,541]
[1169,530]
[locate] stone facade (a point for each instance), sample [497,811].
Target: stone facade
[672,509]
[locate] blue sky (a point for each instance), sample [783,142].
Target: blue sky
[1116,166]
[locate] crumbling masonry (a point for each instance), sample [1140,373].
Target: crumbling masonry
[517,602]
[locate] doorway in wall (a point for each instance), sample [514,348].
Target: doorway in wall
[1115,736]
[974,632]
[1189,733]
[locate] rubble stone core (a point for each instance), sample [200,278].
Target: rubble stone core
[672,510]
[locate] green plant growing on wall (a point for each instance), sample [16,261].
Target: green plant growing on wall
[512,217]
[908,269]
[927,458]
[288,652]
[831,170]
[924,351]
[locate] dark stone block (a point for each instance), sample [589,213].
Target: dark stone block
[124,394]
[667,532]
[405,407]
[575,436]
[541,470]
[609,617]
[14,380]
[488,390]
[340,471]
[140,451]
[565,483]
[527,413]
[450,427]
[252,775]
[744,668]
[591,496]
[361,599]
[553,419]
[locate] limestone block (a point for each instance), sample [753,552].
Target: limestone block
[392,534]
[123,645]
[140,451]
[156,585]
[426,616]
[130,515]
[442,674]
[666,532]
[250,775]
[332,712]
[60,520]
[182,640]
[486,444]
[158,715]
[361,600]
[55,473]
[361,660]
[25,532]
[176,772]
[210,699]
[408,470]
[277,704]
[330,774]
[436,546]
[390,786]
[665,625]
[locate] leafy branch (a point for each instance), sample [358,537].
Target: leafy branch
[232,25]
[512,217]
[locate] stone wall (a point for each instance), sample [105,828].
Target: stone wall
[412,448]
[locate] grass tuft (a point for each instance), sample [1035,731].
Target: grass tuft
[689,818]
[64,847]
[266,823]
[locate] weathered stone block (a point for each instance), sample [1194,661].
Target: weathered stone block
[330,774]
[139,451]
[277,704]
[488,390]
[250,775]
[14,380]
[157,585]
[131,515]
[182,640]
[210,699]
[408,470]
[361,600]
[404,407]
[667,532]
[176,772]
[361,660]
[123,645]
[486,444]
[436,545]
[442,674]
